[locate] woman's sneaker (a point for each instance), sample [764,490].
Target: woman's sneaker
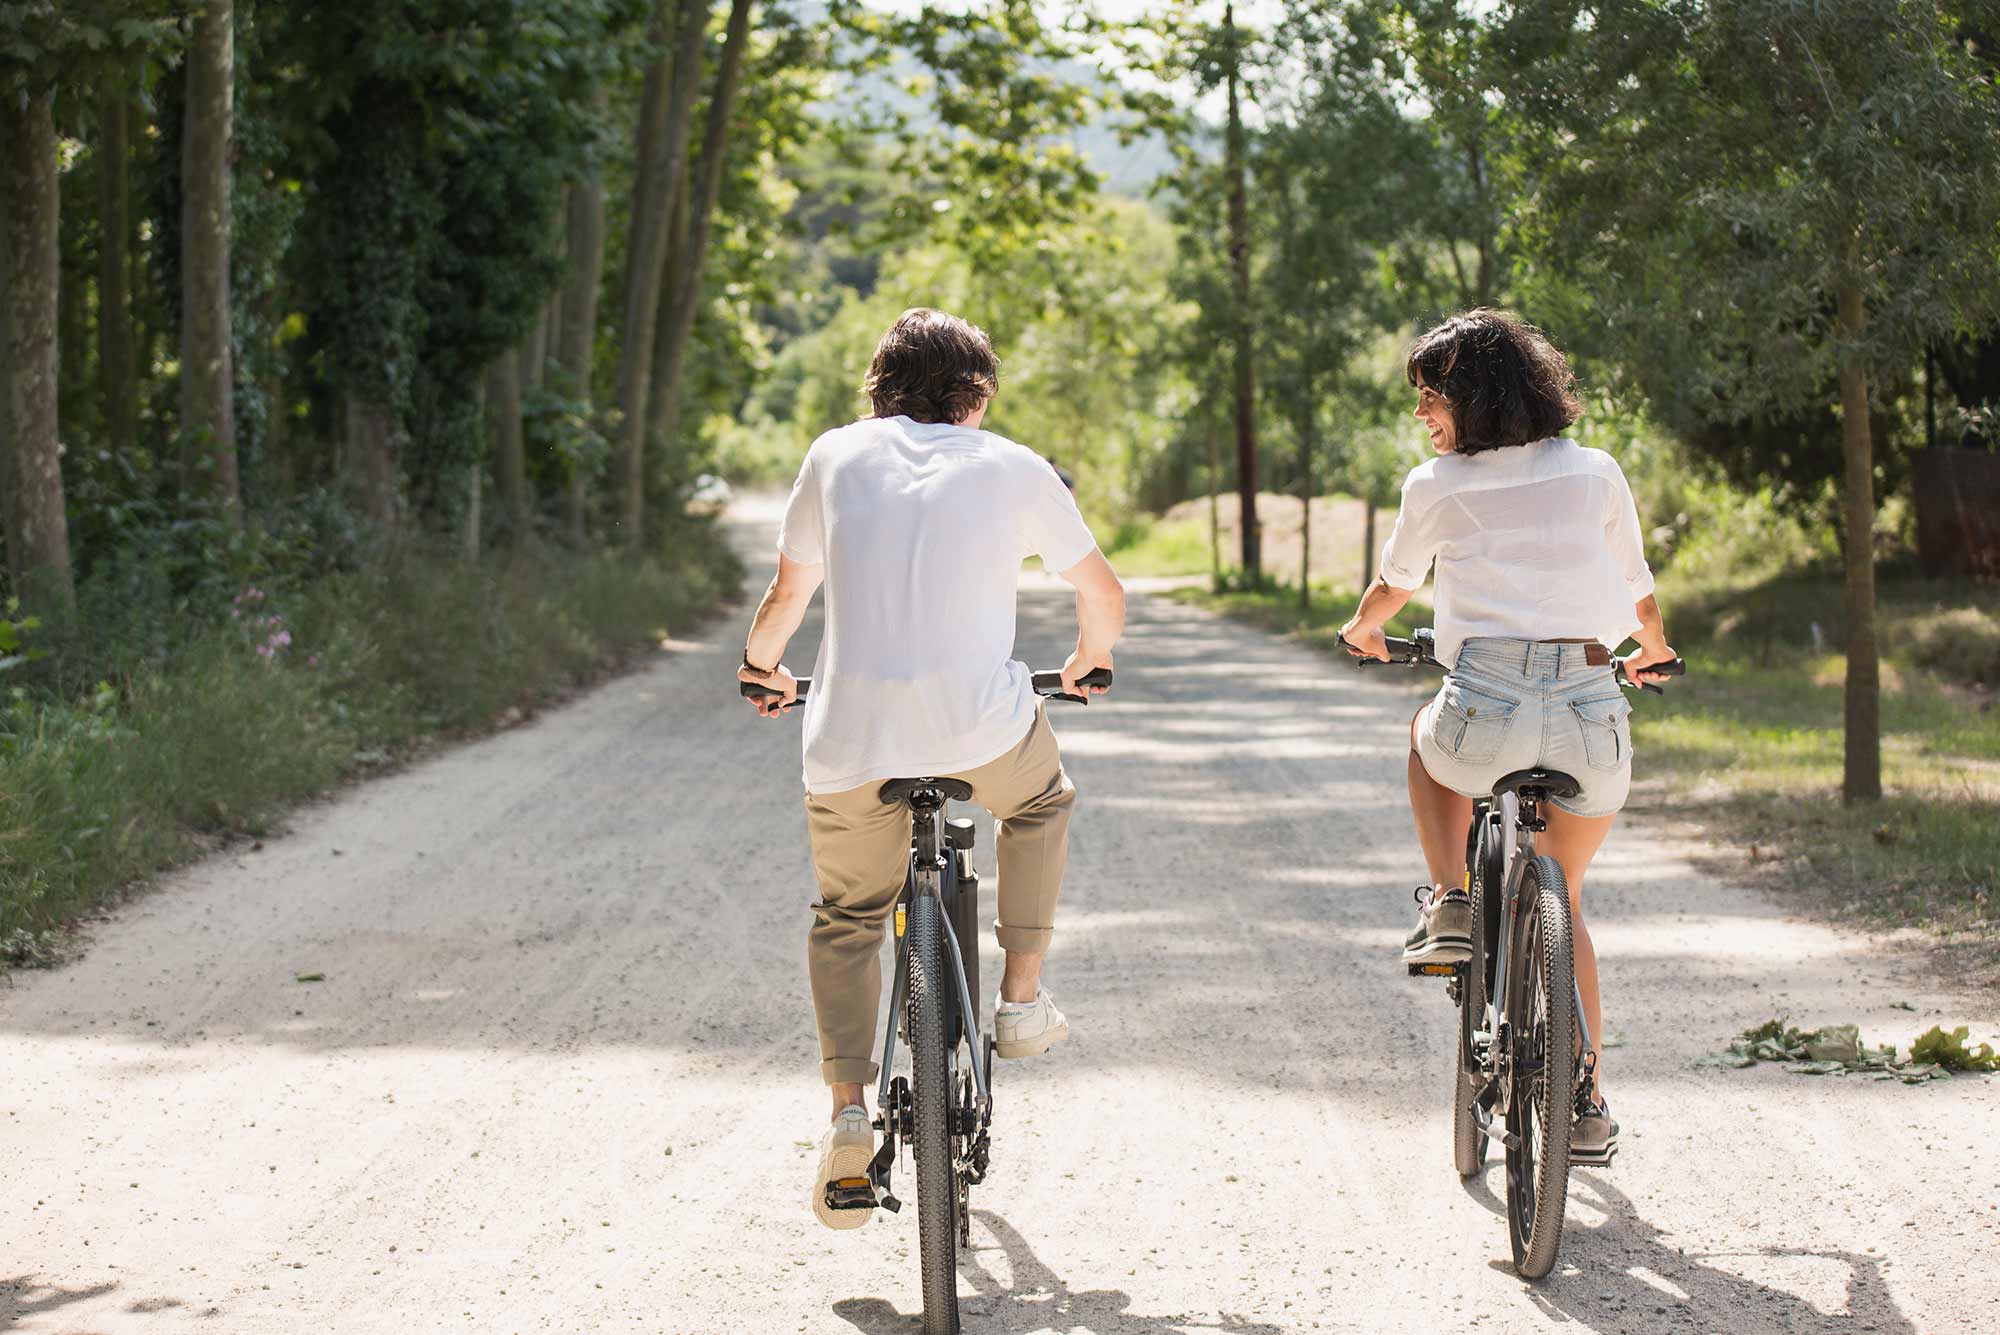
[842,1175]
[1027,1029]
[1444,928]
[1593,1138]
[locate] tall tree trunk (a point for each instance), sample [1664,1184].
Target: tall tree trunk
[1861,778]
[579,321]
[510,472]
[31,487]
[1307,446]
[684,282]
[370,437]
[1368,547]
[658,429]
[208,415]
[115,379]
[670,95]
[534,358]
[1214,511]
[1239,263]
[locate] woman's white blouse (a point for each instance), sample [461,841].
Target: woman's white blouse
[1532,542]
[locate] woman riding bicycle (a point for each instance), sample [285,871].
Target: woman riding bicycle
[1540,575]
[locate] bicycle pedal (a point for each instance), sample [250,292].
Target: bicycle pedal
[1432,970]
[850,1193]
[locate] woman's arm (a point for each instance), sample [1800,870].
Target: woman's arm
[1363,631]
[1653,646]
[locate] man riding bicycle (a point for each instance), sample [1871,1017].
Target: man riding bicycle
[917,520]
[1540,574]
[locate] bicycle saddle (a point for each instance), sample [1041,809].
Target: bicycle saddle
[901,790]
[1549,782]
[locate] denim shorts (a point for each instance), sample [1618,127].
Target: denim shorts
[1517,704]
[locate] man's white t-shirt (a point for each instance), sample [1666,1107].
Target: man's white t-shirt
[922,528]
[1532,542]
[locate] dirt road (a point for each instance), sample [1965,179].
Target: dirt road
[560,1074]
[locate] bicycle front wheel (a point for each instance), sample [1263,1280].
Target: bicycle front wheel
[1468,1146]
[1542,1017]
[930,1097]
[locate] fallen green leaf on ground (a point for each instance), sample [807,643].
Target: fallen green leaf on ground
[1837,1049]
[309,978]
[1950,1051]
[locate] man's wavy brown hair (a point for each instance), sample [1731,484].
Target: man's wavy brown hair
[931,367]
[1503,381]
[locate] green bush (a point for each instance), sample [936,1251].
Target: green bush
[213,726]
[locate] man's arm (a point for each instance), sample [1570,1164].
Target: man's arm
[1363,631]
[777,620]
[1100,619]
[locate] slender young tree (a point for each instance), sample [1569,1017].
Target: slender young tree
[116,382]
[577,353]
[1239,260]
[208,413]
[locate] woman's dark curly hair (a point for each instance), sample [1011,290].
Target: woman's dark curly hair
[1503,381]
[931,367]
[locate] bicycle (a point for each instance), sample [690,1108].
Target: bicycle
[1516,1051]
[944,1110]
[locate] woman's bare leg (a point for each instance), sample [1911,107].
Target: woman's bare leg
[1573,841]
[1442,817]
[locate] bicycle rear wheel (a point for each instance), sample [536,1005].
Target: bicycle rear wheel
[1542,1017]
[930,1097]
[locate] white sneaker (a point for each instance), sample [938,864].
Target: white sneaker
[1027,1029]
[844,1152]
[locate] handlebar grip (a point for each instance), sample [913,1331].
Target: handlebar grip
[1049,685]
[750,690]
[1403,651]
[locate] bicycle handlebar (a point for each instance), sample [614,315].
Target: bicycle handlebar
[1420,650]
[1048,685]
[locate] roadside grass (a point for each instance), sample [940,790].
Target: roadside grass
[1750,745]
[1158,546]
[212,739]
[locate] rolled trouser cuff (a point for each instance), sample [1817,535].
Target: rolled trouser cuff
[1026,940]
[848,1071]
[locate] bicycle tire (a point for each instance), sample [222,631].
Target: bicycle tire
[1538,1112]
[930,1097]
[1468,1146]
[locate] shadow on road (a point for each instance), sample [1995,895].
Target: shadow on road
[1036,1300]
[27,1296]
[1623,1275]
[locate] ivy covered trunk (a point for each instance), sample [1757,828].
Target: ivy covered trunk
[30,456]
[1861,778]
[208,417]
[115,365]
[579,325]
[510,473]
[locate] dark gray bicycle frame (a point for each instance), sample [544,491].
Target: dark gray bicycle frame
[1517,850]
[929,880]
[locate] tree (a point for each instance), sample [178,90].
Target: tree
[208,417]
[37,531]
[1760,200]
[682,290]
[116,368]
[577,347]
[1242,370]
[666,112]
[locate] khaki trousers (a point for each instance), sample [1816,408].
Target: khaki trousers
[861,853]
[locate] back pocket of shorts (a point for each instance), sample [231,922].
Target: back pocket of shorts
[1469,724]
[1607,737]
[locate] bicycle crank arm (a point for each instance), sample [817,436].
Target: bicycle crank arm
[878,1178]
[1484,1121]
